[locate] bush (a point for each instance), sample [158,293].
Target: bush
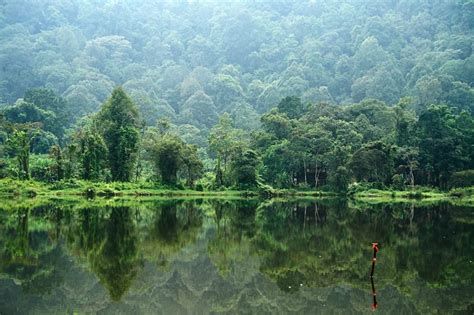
[355,188]
[415,195]
[65,184]
[90,192]
[207,181]
[303,186]
[40,168]
[462,192]
[398,182]
[199,187]
[266,190]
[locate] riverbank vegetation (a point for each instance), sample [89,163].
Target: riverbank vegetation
[77,190]
[310,147]
[376,105]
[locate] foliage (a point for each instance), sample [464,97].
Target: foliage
[365,142]
[245,169]
[462,179]
[172,157]
[92,153]
[324,93]
[118,121]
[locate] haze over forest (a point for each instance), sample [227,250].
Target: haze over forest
[236,156]
[364,66]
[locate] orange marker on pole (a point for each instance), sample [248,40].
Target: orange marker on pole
[375,247]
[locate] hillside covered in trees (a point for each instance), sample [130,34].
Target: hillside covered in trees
[210,94]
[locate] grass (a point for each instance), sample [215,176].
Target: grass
[11,187]
[31,188]
[463,196]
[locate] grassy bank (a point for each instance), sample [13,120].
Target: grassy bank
[31,188]
[466,195]
[11,187]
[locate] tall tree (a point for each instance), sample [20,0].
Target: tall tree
[245,169]
[119,122]
[57,168]
[224,141]
[20,142]
[92,152]
[167,155]
[47,100]
[291,106]
[193,166]
[440,144]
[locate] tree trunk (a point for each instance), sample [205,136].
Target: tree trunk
[316,175]
[412,178]
[305,177]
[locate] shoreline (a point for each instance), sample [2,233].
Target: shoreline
[16,188]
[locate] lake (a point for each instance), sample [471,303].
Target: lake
[234,256]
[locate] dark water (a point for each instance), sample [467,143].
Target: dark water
[218,256]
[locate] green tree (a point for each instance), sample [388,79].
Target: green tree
[57,168]
[225,141]
[166,153]
[119,123]
[279,165]
[408,163]
[245,169]
[200,110]
[440,144]
[28,113]
[373,163]
[47,100]
[93,152]
[291,106]
[20,142]
[276,123]
[192,164]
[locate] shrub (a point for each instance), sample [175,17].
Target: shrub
[266,190]
[90,192]
[303,186]
[65,184]
[40,168]
[355,188]
[462,192]
[398,182]
[415,195]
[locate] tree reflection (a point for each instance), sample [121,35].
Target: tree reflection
[293,243]
[27,252]
[108,237]
[303,243]
[116,259]
[174,224]
[235,226]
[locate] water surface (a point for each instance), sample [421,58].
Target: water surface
[234,256]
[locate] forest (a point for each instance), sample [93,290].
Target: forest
[327,95]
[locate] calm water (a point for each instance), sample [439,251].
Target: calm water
[217,256]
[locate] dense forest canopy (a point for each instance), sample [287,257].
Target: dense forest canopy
[289,93]
[237,56]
